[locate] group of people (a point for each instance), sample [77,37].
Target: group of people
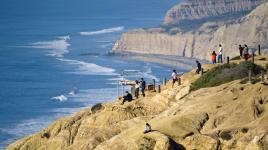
[139,85]
[243,52]
[214,55]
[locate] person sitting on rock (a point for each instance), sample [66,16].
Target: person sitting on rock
[198,67]
[127,97]
[147,128]
[174,77]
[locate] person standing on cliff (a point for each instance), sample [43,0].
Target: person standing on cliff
[137,89]
[241,51]
[174,77]
[246,52]
[199,67]
[143,86]
[213,57]
[220,54]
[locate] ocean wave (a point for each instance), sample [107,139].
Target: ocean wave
[85,68]
[109,30]
[60,98]
[92,96]
[58,47]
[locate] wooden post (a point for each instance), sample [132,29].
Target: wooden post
[159,88]
[179,81]
[249,75]
[253,58]
[154,84]
[228,59]
[118,88]
[262,76]
[259,49]
[164,81]
[132,90]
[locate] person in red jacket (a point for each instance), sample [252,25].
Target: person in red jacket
[213,57]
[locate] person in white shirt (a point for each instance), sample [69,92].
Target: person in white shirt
[174,77]
[137,89]
[220,54]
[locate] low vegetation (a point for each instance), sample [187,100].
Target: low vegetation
[225,73]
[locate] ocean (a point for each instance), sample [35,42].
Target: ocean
[54,62]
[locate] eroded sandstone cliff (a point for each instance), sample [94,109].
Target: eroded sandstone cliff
[230,116]
[251,29]
[198,9]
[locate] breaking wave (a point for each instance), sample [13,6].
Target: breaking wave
[109,30]
[58,47]
[85,68]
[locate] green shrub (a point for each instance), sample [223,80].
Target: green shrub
[225,73]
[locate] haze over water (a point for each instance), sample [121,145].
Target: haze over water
[46,69]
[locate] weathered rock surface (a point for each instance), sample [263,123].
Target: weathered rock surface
[199,9]
[231,116]
[251,30]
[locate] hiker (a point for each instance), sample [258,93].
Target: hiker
[127,97]
[137,89]
[143,86]
[213,57]
[147,128]
[220,54]
[241,51]
[246,52]
[198,67]
[174,77]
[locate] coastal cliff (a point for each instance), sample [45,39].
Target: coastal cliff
[232,115]
[200,41]
[198,9]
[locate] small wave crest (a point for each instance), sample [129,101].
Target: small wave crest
[85,68]
[58,47]
[109,30]
[60,98]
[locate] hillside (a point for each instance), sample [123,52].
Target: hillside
[200,39]
[232,115]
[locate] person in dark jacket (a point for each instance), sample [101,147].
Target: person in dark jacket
[198,67]
[241,51]
[127,97]
[143,86]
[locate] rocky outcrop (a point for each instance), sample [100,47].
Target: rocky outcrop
[230,116]
[199,9]
[251,30]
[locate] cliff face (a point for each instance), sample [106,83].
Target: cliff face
[198,9]
[230,116]
[251,30]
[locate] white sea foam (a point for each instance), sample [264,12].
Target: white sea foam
[109,30]
[60,98]
[92,96]
[148,74]
[58,47]
[72,93]
[88,68]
